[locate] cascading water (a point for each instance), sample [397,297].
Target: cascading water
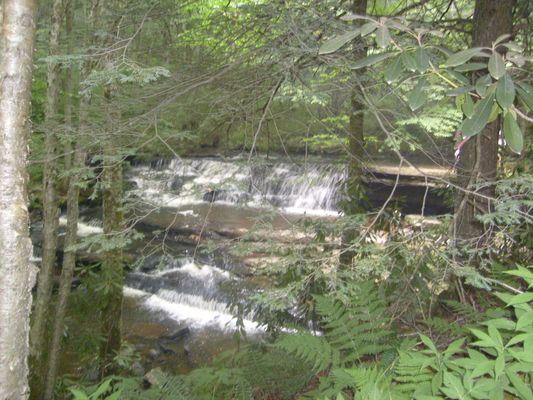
[313,188]
[188,292]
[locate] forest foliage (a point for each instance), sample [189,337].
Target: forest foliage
[419,310]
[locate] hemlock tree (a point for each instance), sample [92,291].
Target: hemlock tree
[17,274]
[356,141]
[478,161]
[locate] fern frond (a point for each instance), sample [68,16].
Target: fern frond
[315,350]
[358,330]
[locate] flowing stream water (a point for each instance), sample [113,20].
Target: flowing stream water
[176,302]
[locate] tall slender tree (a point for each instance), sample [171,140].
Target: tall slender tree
[355,202]
[112,264]
[17,274]
[38,335]
[479,156]
[74,161]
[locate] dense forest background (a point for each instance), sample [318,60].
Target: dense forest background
[409,278]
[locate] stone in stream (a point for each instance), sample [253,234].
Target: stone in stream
[176,336]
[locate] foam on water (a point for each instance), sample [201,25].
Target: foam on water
[314,188]
[84,228]
[196,311]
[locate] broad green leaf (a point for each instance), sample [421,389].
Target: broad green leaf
[115,396]
[459,91]
[515,140]
[495,334]
[370,60]
[78,394]
[454,347]
[494,112]
[522,337]
[393,23]
[499,365]
[501,323]
[485,339]
[522,355]
[429,343]
[472,126]
[383,36]
[422,59]
[523,389]
[468,106]
[436,382]
[102,388]
[459,101]
[463,56]
[417,97]
[523,273]
[482,83]
[496,65]
[368,28]
[453,387]
[528,296]
[482,368]
[351,17]
[501,38]
[337,42]
[470,67]
[525,320]
[505,91]
[459,77]
[408,61]
[394,70]
[527,98]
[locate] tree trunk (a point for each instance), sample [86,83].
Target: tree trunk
[50,211]
[68,85]
[69,262]
[17,274]
[112,265]
[479,156]
[73,161]
[356,200]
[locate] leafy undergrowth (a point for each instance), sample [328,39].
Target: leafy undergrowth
[357,355]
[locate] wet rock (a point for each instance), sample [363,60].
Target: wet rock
[137,369]
[213,195]
[166,349]
[153,354]
[177,335]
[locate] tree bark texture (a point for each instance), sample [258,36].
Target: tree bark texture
[356,199]
[17,274]
[112,265]
[38,337]
[69,263]
[73,161]
[68,83]
[479,156]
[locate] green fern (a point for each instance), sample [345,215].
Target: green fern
[357,331]
[314,350]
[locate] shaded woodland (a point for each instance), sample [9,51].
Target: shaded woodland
[220,199]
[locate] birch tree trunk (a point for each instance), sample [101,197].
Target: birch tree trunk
[38,337]
[17,274]
[479,156]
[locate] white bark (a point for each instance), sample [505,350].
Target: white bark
[17,274]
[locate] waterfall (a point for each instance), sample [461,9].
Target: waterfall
[188,292]
[293,188]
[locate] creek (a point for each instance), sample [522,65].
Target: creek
[175,305]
